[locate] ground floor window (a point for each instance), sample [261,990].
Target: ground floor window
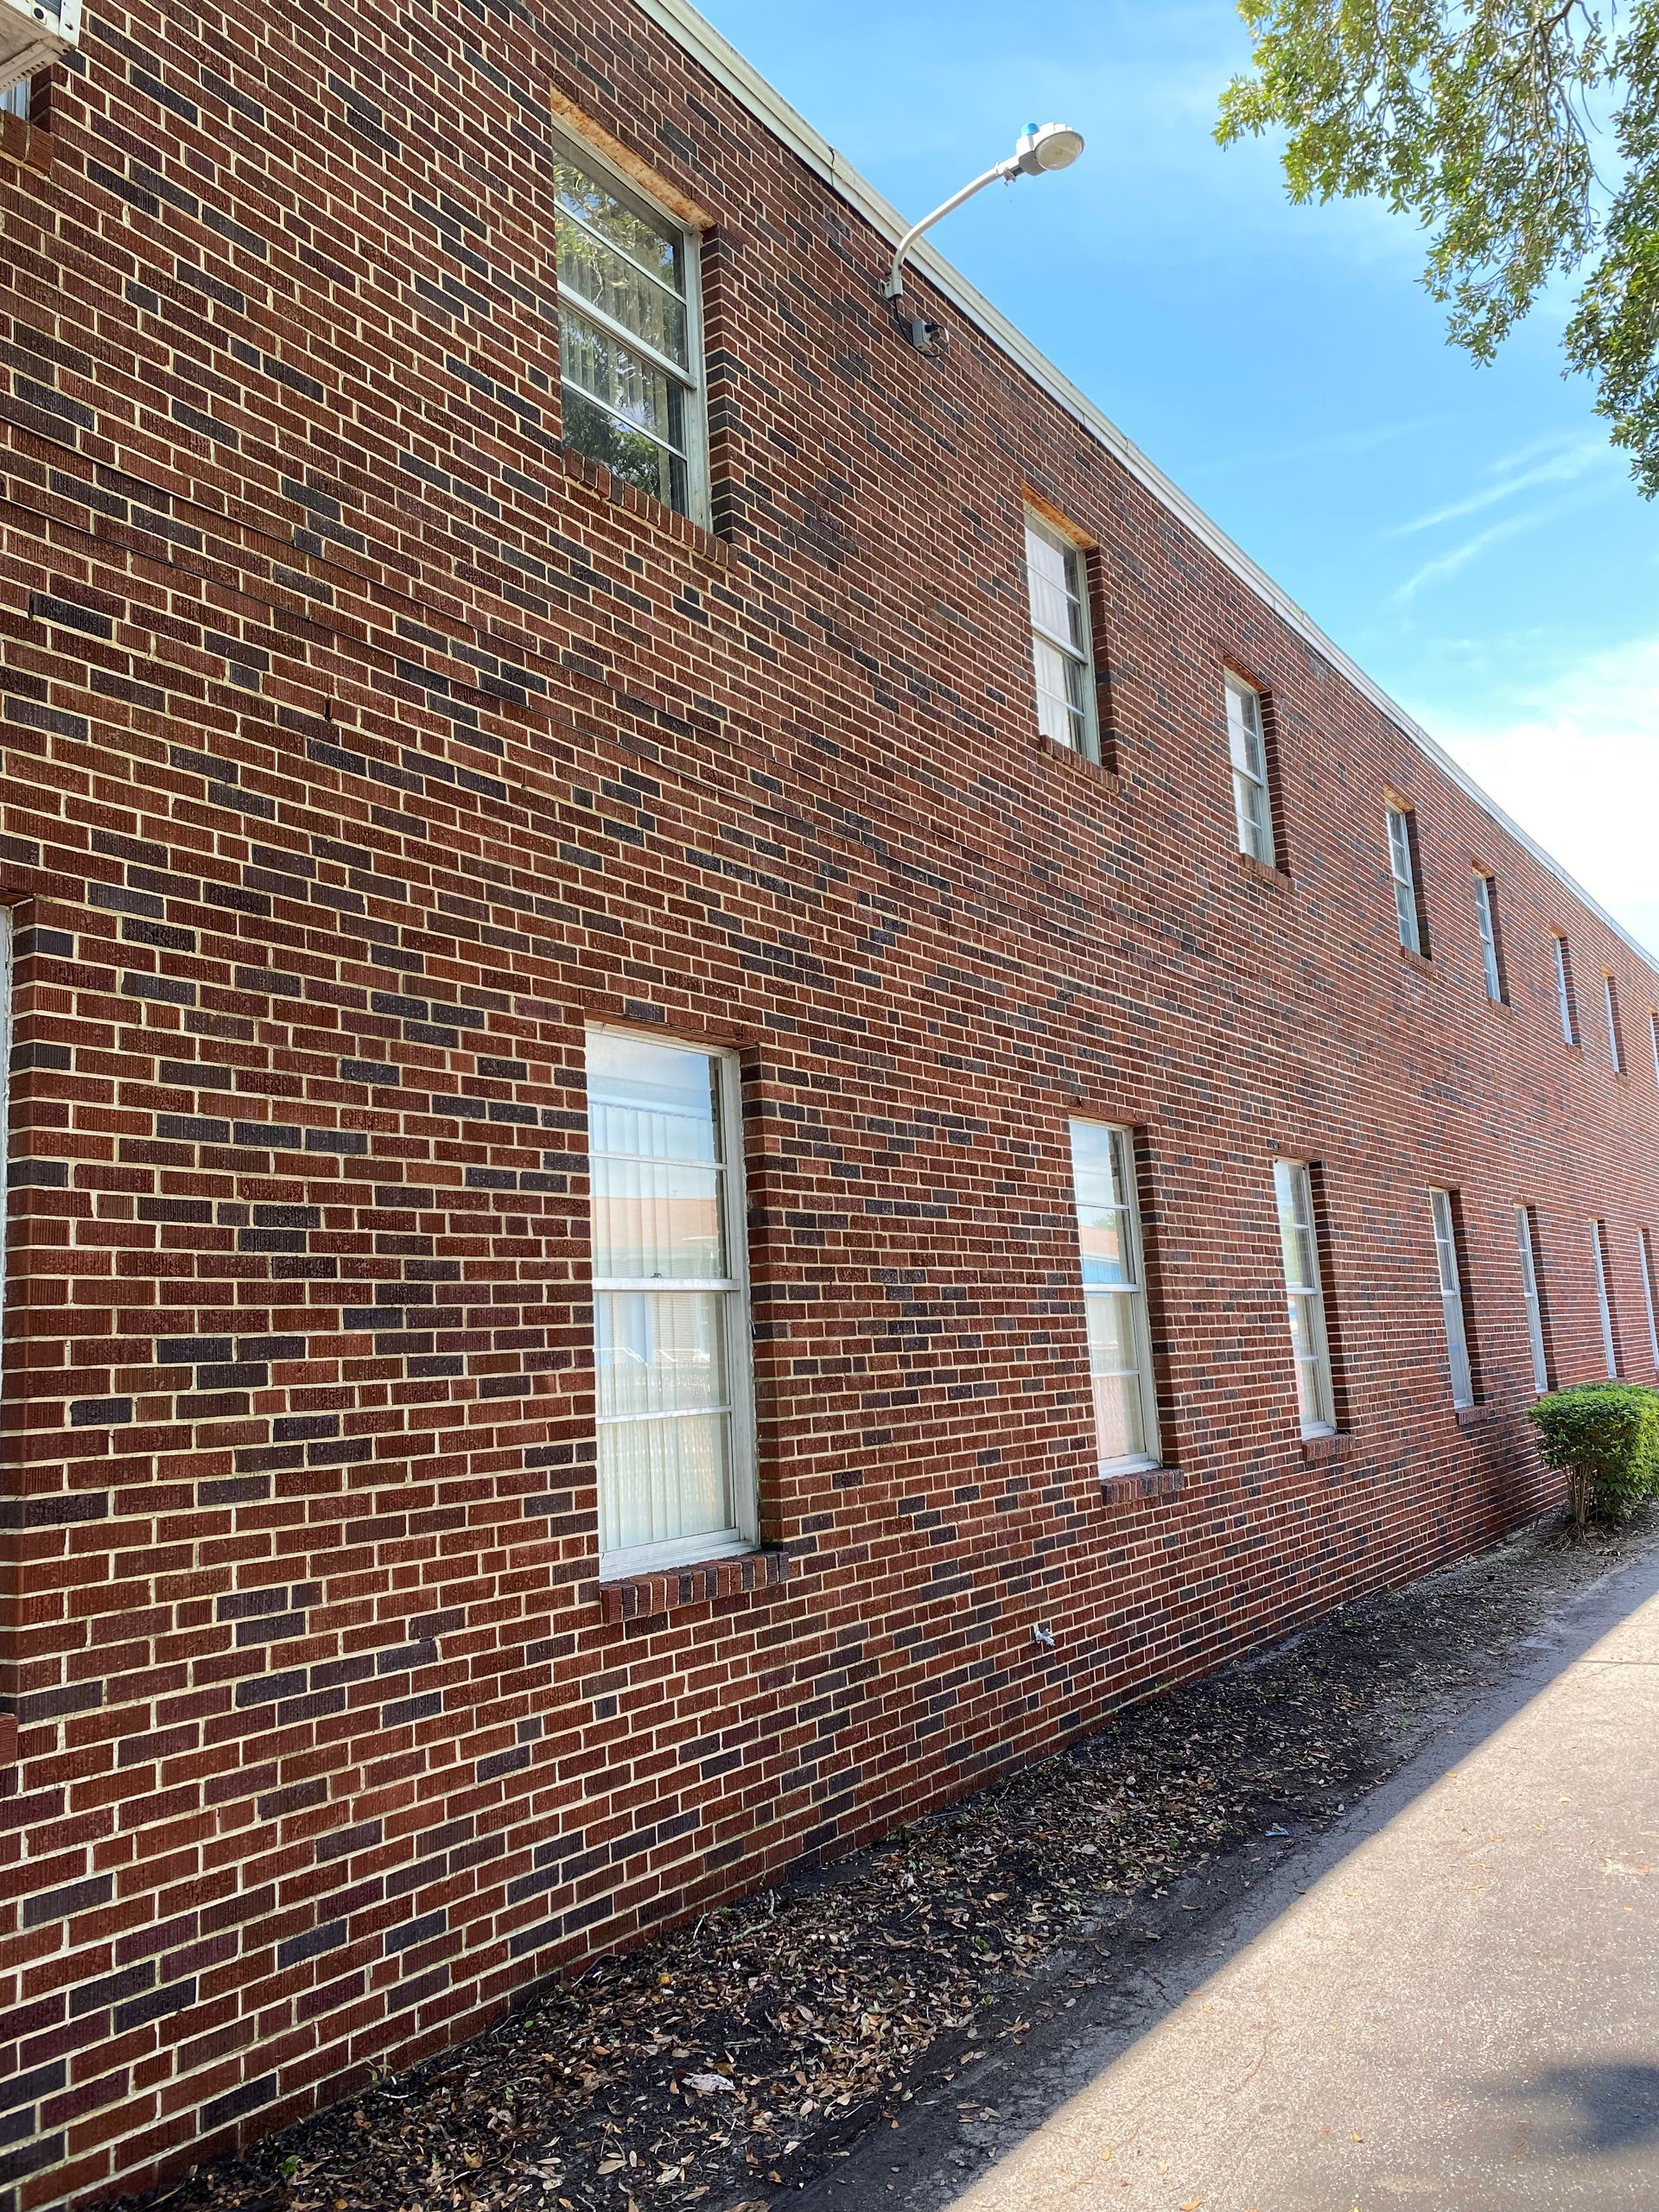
[670,1304]
[1104,1188]
[1304,1295]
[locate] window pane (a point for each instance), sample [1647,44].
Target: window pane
[630,455]
[652,1100]
[660,1353]
[1100,1234]
[664,1480]
[1051,578]
[591,272]
[1254,818]
[653,246]
[623,384]
[1110,1317]
[1119,1431]
[1059,693]
[1244,731]
[656,1184]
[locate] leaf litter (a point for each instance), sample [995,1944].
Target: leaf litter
[730,2059]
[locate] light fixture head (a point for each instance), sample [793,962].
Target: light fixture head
[1047,146]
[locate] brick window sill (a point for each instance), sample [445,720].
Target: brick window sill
[592,476]
[636,1597]
[25,142]
[1318,1449]
[1255,871]
[1481,1416]
[1071,758]
[1420,961]
[1149,1482]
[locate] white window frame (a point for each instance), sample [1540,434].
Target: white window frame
[1292,1191]
[1453,1312]
[14,100]
[1653,1039]
[1566,996]
[1604,1297]
[1082,659]
[1610,1007]
[1403,872]
[1486,920]
[1125,1175]
[1247,747]
[1526,1245]
[692,375]
[744,1534]
[1649,1289]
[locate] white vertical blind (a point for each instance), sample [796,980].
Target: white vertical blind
[1061,653]
[1564,992]
[1114,1296]
[669,1303]
[1457,1338]
[1405,880]
[1305,1297]
[1650,1289]
[1485,917]
[1604,1299]
[1615,1040]
[1251,801]
[1526,1248]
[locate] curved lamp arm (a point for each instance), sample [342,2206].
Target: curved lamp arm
[1008,170]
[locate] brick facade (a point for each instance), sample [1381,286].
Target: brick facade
[360,747]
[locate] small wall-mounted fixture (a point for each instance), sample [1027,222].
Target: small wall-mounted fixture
[1041,147]
[33,34]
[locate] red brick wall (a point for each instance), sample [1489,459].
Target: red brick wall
[358,750]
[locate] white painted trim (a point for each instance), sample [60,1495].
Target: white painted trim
[700,40]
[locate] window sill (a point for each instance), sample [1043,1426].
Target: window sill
[1255,871]
[636,1597]
[1143,1482]
[1317,1449]
[1478,1416]
[1096,769]
[592,477]
[30,143]
[1419,961]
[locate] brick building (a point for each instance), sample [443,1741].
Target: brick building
[506,649]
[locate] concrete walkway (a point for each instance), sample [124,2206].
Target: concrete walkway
[1461,2010]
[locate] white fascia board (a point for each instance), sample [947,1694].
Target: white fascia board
[704,44]
[33,34]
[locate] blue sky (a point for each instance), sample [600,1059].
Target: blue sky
[1467,534]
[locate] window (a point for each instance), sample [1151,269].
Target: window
[1114,1296]
[1526,1245]
[1649,1289]
[1451,1306]
[1653,1039]
[670,1304]
[1060,649]
[1404,868]
[1605,1298]
[1305,1294]
[1566,1001]
[630,348]
[1615,1033]
[1251,798]
[1486,918]
[14,101]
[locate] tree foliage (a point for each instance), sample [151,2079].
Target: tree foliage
[1523,135]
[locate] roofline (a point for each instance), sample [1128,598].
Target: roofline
[727,66]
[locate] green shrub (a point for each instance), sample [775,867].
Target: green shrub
[1605,1438]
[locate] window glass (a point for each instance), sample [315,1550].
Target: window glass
[1115,1298]
[1649,1289]
[1057,587]
[1526,1245]
[1405,880]
[1251,800]
[1452,1307]
[626,340]
[670,1305]
[1614,1038]
[1564,1002]
[1605,1299]
[1486,918]
[1305,1296]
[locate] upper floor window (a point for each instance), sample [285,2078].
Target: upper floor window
[1305,1294]
[1653,1039]
[674,1401]
[1105,1192]
[630,343]
[1566,997]
[1453,1309]
[14,101]
[1486,919]
[1615,1031]
[1605,1299]
[1246,742]
[1061,649]
[1402,866]
[1526,1245]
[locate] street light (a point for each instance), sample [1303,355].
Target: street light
[1040,147]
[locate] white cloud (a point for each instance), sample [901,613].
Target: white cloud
[1447,564]
[1564,465]
[1575,759]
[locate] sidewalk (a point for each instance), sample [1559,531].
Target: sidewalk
[1461,2010]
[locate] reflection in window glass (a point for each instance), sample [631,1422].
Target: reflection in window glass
[1114,1296]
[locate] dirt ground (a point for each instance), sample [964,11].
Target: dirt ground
[759,2052]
